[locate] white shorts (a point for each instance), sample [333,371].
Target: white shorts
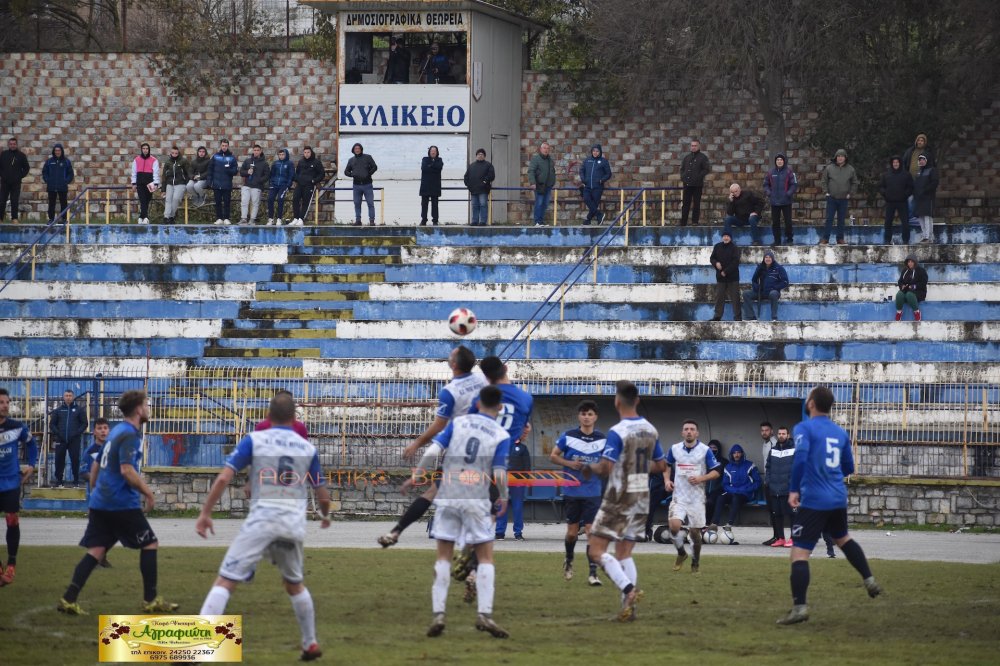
[695,513]
[258,538]
[465,521]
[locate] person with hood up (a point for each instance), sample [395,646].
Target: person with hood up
[896,187]
[740,480]
[479,177]
[199,176]
[911,155]
[594,173]
[145,179]
[768,281]
[839,181]
[309,173]
[430,184]
[725,260]
[542,178]
[174,175]
[361,167]
[912,288]
[778,475]
[57,172]
[924,188]
[282,175]
[694,168]
[13,169]
[221,170]
[255,171]
[780,185]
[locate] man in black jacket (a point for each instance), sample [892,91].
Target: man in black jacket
[777,476]
[479,177]
[13,169]
[896,187]
[67,425]
[308,174]
[744,208]
[361,167]
[694,168]
[397,70]
[725,260]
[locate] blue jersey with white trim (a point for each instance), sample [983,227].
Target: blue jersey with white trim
[823,458]
[576,445]
[515,409]
[12,434]
[113,492]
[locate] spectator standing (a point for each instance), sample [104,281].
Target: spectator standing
[594,173]
[436,66]
[145,179]
[896,187]
[174,176]
[479,177]
[309,173]
[740,480]
[912,288]
[57,172]
[911,155]
[67,424]
[397,70]
[430,184]
[520,461]
[780,186]
[768,281]
[282,175]
[223,167]
[361,167]
[256,174]
[726,261]
[777,475]
[744,208]
[924,189]
[768,440]
[542,178]
[839,181]
[713,487]
[199,176]
[13,169]
[694,168]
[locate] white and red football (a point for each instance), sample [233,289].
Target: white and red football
[462,321]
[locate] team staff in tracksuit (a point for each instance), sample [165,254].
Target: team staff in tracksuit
[594,173]
[282,176]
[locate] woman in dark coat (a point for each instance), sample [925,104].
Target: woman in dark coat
[924,188]
[912,288]
[430,184]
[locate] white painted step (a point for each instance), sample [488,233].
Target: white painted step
[195,255]
[111,328]
[26,290]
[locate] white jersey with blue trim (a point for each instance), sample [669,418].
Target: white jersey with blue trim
[456,397]
[473,446]
[696,461]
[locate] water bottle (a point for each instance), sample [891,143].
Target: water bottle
[854,221]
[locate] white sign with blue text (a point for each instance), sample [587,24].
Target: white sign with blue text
[404,109]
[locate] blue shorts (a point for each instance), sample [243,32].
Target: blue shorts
[581,509]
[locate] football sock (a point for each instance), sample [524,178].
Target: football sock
[215,602]
[147,566]
[485,575]
[613,568]
[570,546]
[413,513]
[628,566]
[678,539]
[439,591]
[80,576]
[13,542]
[592,563]
[800,582]
[856,556]
[302,604]
[696,546]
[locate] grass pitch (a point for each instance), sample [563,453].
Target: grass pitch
[373,607]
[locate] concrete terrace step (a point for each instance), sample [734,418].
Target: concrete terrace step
[80,366]
[334,269]
[360,240]
[110,328]
[250,323]
[158,234]
[135,291]
[261,353]
[149,272]
[269,294]
[322,277]
[168,347]
[611,331]
[339,260]
[153,254]
[843,273]
[265,312]
[145,309]
[273,333]
[830,255]
[589,292]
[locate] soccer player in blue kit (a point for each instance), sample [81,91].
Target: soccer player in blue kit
[817,491]
[13,433]
[116,513]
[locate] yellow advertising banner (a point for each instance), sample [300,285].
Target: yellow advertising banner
[169,638]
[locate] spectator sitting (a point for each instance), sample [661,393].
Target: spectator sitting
[199,176]
[912,288]
[740,480]
[713,488]
[743,208]
[768,281]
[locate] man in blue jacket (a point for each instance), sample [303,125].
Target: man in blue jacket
[67,425]
[780,186]
[57,172]
[768,281]
[594,173]
[282,176]
[740,480]
[223,167]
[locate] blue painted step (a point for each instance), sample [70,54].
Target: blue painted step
[151,273]
[157,347]
[120,309]
[29,504]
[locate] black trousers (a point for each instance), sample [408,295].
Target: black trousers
[10,191]
[893,209]
[73,446]
[52,203]
[300,202]
[730,290]
[223,204]
[434,209]
[691,201]
[776,214]
[778,505]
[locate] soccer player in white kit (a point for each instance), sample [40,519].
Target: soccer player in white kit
[283,466]
[475,450]
[694,464]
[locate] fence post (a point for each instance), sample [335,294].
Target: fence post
[185,210]
[128,209]
[594,263]
[628,215]
[86,206]
[381,208]
[854,427]
[32,262]
[527,345]
[555,207]
[489,212]
[663,207]
[107,206]
[643,208]
[316,208]
[965,435]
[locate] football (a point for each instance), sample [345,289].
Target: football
[710,536]
[725,537]
[462,321]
